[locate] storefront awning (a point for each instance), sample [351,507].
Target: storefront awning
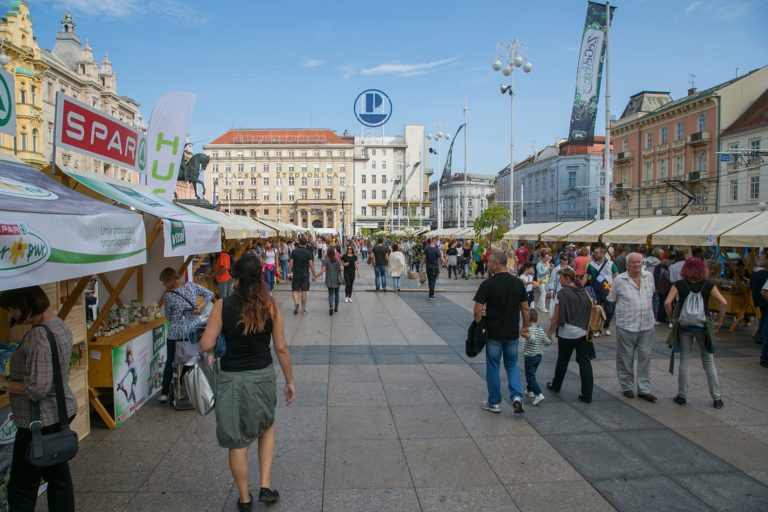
[49,232]
[236,227]
[530,231]
[593,232]
[563,231]
[184,232]
[753,233]
[701,229]
[636,231]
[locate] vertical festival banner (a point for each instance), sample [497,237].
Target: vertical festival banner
[166,136]
[589,75]
[446,176]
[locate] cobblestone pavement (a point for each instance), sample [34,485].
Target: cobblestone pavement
[388,419]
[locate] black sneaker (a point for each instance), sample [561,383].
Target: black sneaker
[268,495]
[245,507]
[296,309]
[718,404]
[517,406]
[330,311]
[680,400]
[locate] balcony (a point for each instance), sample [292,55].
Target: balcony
[662,147]
[732,166]
[624,156]
[694,176]
[698,138]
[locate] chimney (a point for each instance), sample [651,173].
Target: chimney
[692,91]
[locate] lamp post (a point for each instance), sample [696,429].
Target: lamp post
[438,136]
[508,57]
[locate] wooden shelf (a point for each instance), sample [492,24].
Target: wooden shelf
[126,335]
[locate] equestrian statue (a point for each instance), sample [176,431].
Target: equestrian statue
[191,169]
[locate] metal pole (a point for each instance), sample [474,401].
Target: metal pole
[439,179]
[466,195]
[607,166]
[512,147]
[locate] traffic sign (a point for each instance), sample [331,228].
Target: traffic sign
[7,103]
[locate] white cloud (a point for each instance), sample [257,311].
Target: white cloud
[313,63]
[173,11]
[109,8]
[398,68]
[723,10]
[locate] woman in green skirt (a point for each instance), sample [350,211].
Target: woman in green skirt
[246,386]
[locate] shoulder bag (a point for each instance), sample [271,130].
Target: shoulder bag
[200,384]
[54,447]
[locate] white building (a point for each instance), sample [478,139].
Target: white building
[73,71]
[453,195]
[743,182]
[390,189]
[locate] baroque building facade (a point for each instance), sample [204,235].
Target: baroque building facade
[72,70]
[453,195]
[666,152]
[299,176]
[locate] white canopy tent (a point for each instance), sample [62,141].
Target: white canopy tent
[636,231]
[594,231]
[236,227]
[752,233]
[530,231]
[701,229]
[563,231]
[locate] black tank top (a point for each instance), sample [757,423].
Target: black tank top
[244,352]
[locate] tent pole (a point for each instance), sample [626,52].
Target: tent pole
[70,302]
[105,281]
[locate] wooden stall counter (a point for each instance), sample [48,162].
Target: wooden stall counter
[128,365]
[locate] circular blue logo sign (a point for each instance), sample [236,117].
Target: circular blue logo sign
[373,108]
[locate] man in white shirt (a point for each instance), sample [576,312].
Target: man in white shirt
[676,267]
[632,292]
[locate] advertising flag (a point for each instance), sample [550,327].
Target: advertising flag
[446,176]
[166,136]
[588,75]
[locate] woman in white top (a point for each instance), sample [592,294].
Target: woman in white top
[270,265]
[397,266]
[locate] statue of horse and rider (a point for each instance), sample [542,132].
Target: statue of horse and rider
[191,169]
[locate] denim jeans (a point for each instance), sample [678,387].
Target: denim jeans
[269,277]
[170,352]
[381,273]
[432,273]
[531,365]
[225,289]
[494,350]
[284,269]
[395,282]
[333,297]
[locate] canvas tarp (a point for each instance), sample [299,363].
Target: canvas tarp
[636,231]
[752,233]
[593,232]
[236,227]
[530,231]
[49,232]
[184,232]
[701,229]
[563,231]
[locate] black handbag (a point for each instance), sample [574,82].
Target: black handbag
[477,337]
[49,449]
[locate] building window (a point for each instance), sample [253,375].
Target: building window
[253,168]
[23,141]
[23,96]
[362,196]
[34,139]
[33,89]
[228,168]
[702,123]
[265,167]
[329,181]
[253,195]
[278,167]
[754,144]
[571,179]
[373,164]
[303,181]
[342,181]
[373,194]
[663,135]
[240,167]
[266,212]
[363,211]
[373,178]
[278,153]
[701,161]
[329,153]
[315,194]
[329,194]
[303,194]
[648,201]
[754,187]
[363,179]
[734,190]
[383,194]
[291,167]
[253,181]
[342,196]
[663,169]
[373,151]
[291,181]
[316,168]
[316,182]
[265,196]
[279,182]
[265,181]
[648,139]
[316,154]
[279,196]
[648,176]
[679,164]
[662,199]
[290,154]
[679,131]
[291,197]
[303,168]
[383,179]
[342,168]
[384,164]
[240,194]
[240,182]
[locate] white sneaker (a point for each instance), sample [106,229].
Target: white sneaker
[607,332]
[530,394]
[495,408]
[670,325]
[350,299]
[346,299]
[538,399]
[596,334]
[163,398]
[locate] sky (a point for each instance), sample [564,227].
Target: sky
[299,64]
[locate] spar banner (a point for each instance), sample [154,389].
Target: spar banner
[49,232]
[588,75]
[185,233]
[166,135]
[85,129]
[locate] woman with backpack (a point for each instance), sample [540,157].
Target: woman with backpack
[694,290]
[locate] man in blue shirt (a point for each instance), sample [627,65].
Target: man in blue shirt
[432,260]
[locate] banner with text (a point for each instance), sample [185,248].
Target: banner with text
[588,75]
[166,135]
[87,130]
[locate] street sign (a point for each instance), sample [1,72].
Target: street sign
[7,103]
[725,157]
[84,129]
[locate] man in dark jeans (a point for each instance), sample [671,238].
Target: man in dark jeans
[381,259]
[758,282]
[432,260]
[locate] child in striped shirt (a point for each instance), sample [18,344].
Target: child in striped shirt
[532,352]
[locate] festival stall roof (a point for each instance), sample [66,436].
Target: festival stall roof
[442,233]
[701,229]
[282,228]
[49,232]
[184,232]
[236,227]
[636,231]
[530,231]
[753,233]
[593,232]
[564,230]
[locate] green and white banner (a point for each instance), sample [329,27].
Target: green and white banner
[589,75]
[184,232]
[49,233]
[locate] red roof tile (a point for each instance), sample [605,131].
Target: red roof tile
[754,117]
[287,136]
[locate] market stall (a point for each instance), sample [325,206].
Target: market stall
[562,232]
[127,347]
[594,231]
[638,231]
[58,238]
[530,231]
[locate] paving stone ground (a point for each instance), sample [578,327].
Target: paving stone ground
[388,419]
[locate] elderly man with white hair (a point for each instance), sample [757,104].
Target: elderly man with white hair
[632,292]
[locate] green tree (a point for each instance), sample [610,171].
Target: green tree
[493,219]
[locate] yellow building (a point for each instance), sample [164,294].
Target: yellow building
[25,62]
